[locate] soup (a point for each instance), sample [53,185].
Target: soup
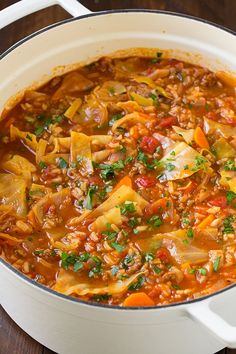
[118,182]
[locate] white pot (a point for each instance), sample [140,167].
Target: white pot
[64,324]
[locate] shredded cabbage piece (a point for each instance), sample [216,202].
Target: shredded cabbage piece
[40,150]
[112,216]
[223,149]
[28,138]
[61,145]
[18,165]
[39,209]
[131,119]
[80,151]
[68,283]
[181,162]
[173,241]
[187,134]
[121,195]
[211,127]
[166,143]
[9,238]
[72,82]
[13,192]
[228,179]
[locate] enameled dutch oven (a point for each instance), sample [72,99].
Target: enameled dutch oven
[62,323]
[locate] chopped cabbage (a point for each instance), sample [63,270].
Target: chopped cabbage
[131,119]
[173,241]
[68,283]
[18,165]
[13,192]
[39,210]
[181,162]
[121,195]
[211,127]
[80,151]
[223,149]
[187,134]
[28,138]
[112,216]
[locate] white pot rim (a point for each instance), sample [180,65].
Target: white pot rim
[71,298]
[101,13]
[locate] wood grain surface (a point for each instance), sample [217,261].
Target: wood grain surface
[12,339]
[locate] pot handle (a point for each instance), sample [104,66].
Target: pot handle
[202,312]
[26,7]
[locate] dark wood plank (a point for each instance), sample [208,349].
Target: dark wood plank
[12,339]
[15,341]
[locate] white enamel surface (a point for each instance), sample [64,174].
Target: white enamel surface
[69,327]
[89,37]
[72,328]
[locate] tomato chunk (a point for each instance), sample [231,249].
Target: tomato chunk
[163,255]
[149,144]
[220,201]
[145,181]
[167,122]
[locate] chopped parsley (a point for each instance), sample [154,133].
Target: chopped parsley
[200,162]
[148,256]
[230,196]
[70,259]
[42,165]
[89,200]
[39,130]
[227,223]
[97,269]
[114,118]
[216,264]
[62,163]
[190,233]
[118,247]
[132,222]
[138,284]
[114,270]
[155,221]
[28,137]
[127,261]
[101,297]
[127,208]
[202,271]
[107,170]
[109,234]
[157,270]
[169,166]
[230,166]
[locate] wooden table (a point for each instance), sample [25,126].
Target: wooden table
[12,339]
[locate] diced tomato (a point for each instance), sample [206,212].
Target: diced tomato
[167,122]
[220,201]
[212,115]
[156,207]
[146,181]
[163,255]
[149,144]
[95,181]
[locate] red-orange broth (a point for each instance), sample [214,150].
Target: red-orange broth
[118,182]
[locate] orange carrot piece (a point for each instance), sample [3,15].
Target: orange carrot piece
[206,222]
[138,299]
[125,181]
[200,138]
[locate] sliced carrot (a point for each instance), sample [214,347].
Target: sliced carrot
[200,138]
[206,222]
[138,299]
[125,181]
